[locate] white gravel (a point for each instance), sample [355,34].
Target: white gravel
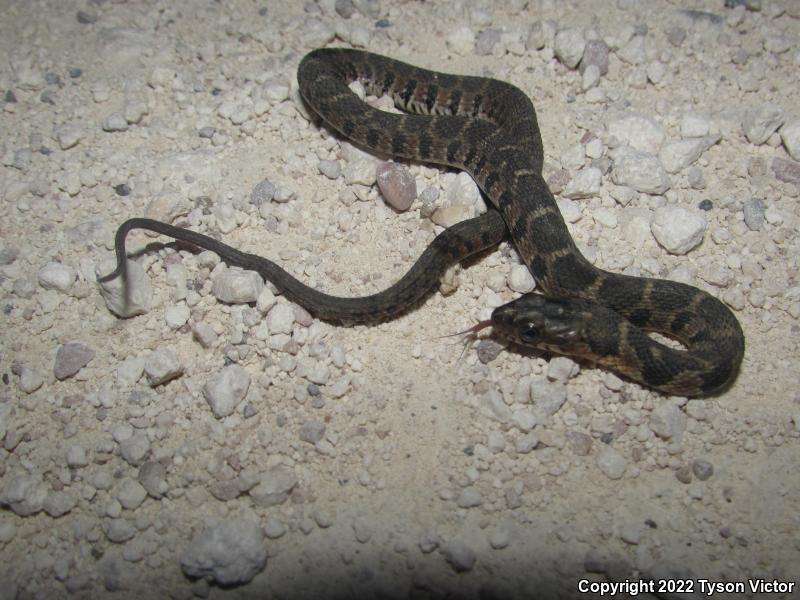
[201,431]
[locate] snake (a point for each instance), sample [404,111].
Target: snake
[489,129]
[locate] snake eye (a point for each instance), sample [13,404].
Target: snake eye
[529,333]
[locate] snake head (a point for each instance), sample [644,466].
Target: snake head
[544,323]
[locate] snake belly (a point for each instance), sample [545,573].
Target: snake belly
[489,129]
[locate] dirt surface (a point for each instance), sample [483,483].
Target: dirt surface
[382,461]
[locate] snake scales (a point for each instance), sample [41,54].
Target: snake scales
[489,129]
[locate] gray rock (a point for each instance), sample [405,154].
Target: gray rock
[263,193]
[230,553]
[57,504]
[786,170]
[541,34]
[702,469]
[595,54]
[114,122]
[76,457]
[469,497]
[120,530]
[57,276]
[362,529]
[24,494]
[135,448]
[668,421]
[312,431]
[153,477]
[634,52]
[579,443]
[762,121]
[161,366]
[280,318]
[676,156]
[330,168]
[125,299]
[694,125]
[71,358]
[753,210]
[274,487]
[460,556]
[486,42]
[548,397]
[235,286]
[790,135]
[131,494]
[397,185]
[226,389]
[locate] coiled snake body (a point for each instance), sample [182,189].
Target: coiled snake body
[489,129]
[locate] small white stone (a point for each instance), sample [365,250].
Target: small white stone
[639,131]
[524,419]
[496,442]
[225,216]
[469,497]
[590,77]
[668,421]
[568,46]
[360,171]
[520,279]
[656,72]
[235,286]
[499,539]
[265,301]
[176,315]
[461,40]
[230,553]
[761,121]
[162,365]
[605,217]
[594,148]
[694,125]
[330,168]
[204,333]
[68,136]
[585,184]
[641,171]
[676,156]
[610,462]
[129,300]
[131,494]
[57,276]
[790,134]
[280,318]
[570,210]
[29,380]
[114,122]
[226,389]
[130,370]
[678,229]
[76,456]
[562,368]
[274,487]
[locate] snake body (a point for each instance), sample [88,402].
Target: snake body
[489,129]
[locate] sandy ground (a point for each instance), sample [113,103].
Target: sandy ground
[376,461]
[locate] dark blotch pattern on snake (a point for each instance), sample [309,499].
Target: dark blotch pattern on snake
[489,129]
